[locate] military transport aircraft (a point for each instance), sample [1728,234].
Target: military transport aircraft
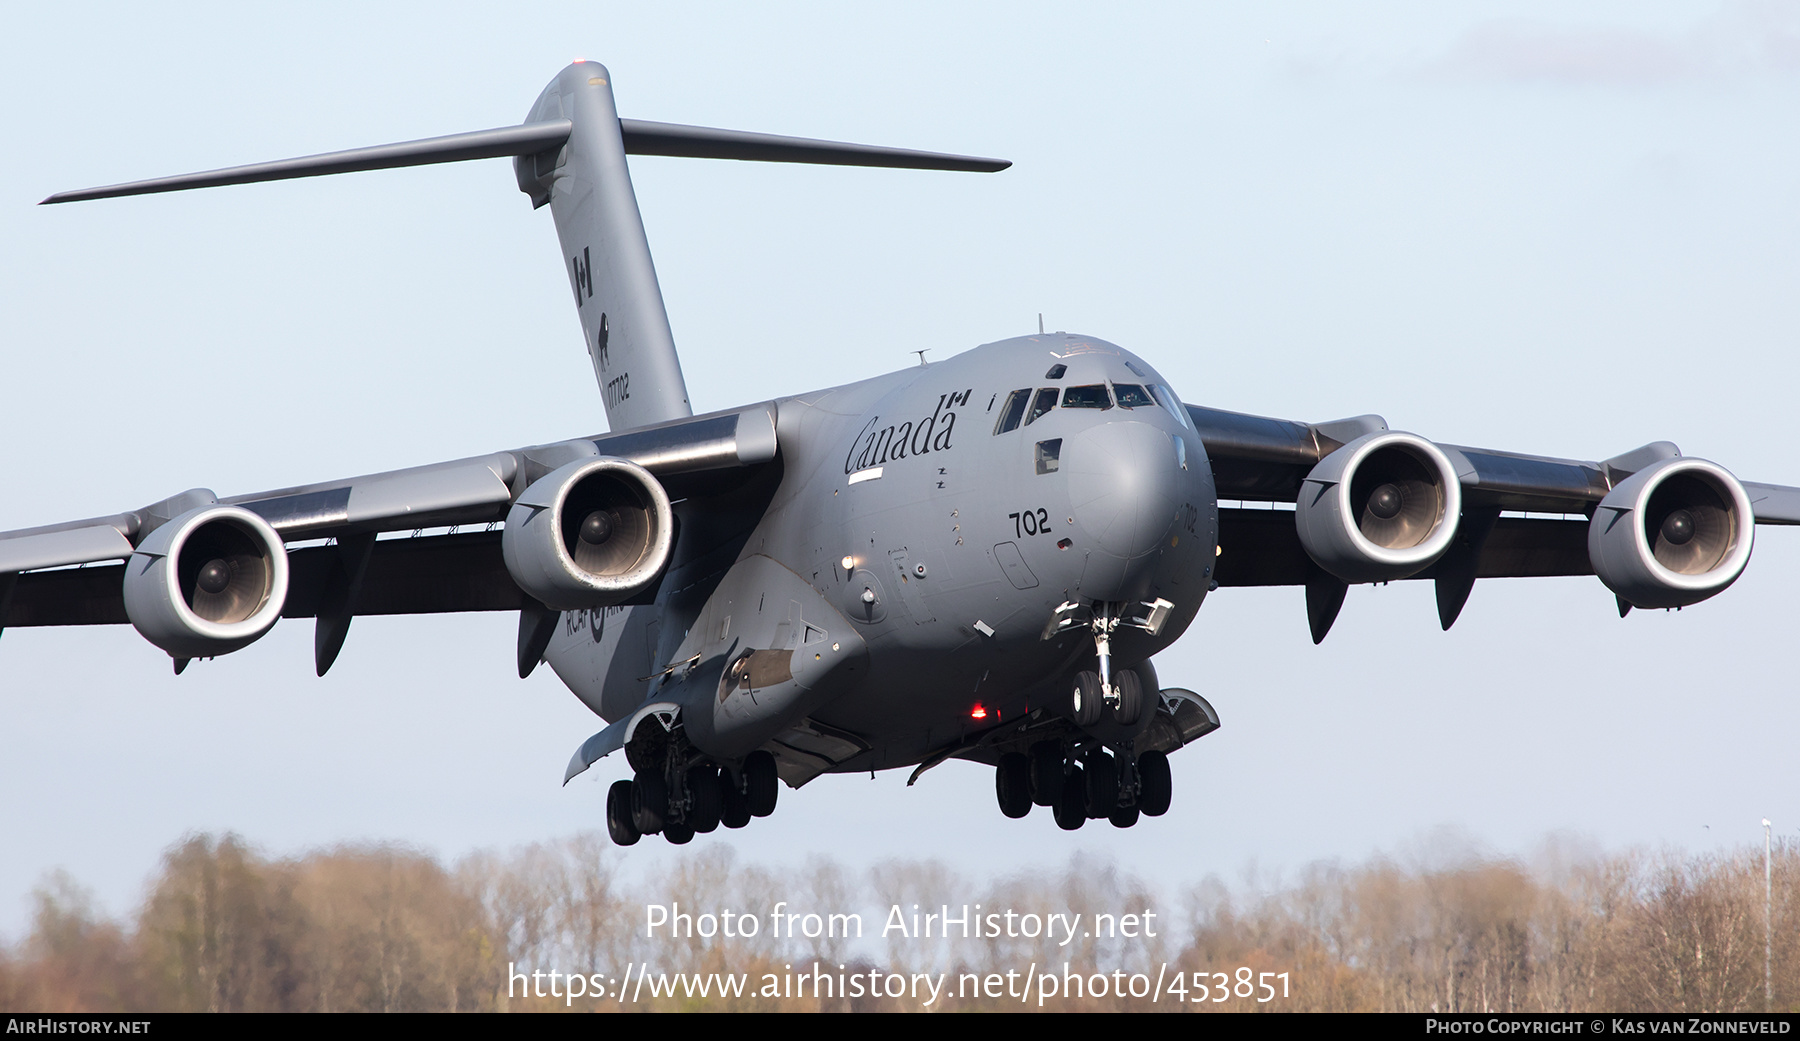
[975,558]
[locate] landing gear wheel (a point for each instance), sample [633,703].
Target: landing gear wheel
[1124,816]
[1046,773]
[1085,700]
[1012,784]
[618,814]
[709,797]
[1155,786]
[734,810]
[1071,807]
[761,784]
[1130,691]
[1102,775]
[649,802]
[680,834]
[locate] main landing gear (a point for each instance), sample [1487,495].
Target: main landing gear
[1084,786]
[704,796]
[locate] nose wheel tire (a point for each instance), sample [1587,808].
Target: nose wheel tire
[618,814]
[679,834]
[1085,700]
[1125,816]
[1130,693]
[761,784]
[1012,784]
[1155,786]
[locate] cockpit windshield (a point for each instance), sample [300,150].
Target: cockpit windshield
[1131,395]
[1013,411]
[1091,396]
[1040,403]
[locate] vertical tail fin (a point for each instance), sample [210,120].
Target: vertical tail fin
[606,255]
[570,154]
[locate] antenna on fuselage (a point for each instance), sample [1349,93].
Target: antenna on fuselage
[1040,323]
[921,355]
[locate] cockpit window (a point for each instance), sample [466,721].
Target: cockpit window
[1056,371]
[1131,395]
[1092,396]
[1013,412]
[1046,400]
[1167,399]
[1049,456]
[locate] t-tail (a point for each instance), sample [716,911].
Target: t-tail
[570,154]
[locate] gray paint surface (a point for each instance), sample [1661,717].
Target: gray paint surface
[909,541]
[1261,323]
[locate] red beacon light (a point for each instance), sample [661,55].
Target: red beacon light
[978,712]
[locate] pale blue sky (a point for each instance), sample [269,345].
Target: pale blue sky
[1503,225]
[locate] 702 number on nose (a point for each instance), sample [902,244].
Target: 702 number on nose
[1030,522]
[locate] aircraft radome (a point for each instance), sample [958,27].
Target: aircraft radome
[978,557]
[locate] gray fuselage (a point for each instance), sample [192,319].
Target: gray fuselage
[963,529]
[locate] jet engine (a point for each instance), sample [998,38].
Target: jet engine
[1382,507]
[1672,534]
[208,582]
[593,533]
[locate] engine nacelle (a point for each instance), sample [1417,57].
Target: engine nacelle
[593,533]
[208,582]
[1672,534]
[1382,507]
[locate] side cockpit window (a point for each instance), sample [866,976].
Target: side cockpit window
[1131,395]
[1014,411]
[1167,399]
[1046,400]
[1091,396]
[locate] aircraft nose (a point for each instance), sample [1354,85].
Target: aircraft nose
[1125,484]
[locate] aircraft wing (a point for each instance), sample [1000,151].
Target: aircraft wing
[1263,464]
[65,574]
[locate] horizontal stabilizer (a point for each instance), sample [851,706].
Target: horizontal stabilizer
[641,138]
[646,138]
[527,139]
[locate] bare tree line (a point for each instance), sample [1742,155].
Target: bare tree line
[382,928]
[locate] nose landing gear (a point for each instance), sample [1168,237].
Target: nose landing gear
[1096,691]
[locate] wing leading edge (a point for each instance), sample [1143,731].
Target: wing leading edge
[431,574]
[1256,459]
